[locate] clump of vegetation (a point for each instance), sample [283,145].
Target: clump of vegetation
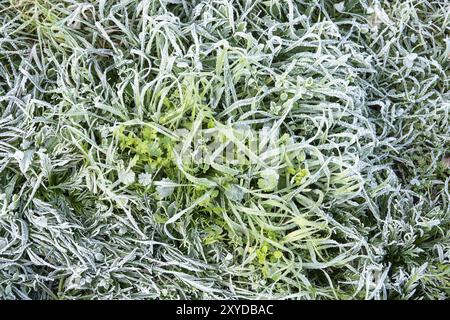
[110,108]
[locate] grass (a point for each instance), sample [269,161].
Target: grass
[110,108]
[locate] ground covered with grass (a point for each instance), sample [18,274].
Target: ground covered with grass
[101,101]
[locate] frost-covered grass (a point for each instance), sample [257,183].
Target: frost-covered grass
[101,100]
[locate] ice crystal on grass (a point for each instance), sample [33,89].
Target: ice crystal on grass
[126,177]
[346,196]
